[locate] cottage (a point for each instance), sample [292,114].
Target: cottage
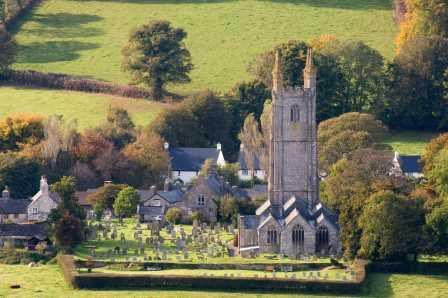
[23,235]
[12,210]
[42,203]
[249,166]
[186,162]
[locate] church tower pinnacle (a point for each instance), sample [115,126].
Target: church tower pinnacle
[277,75]
[309,72]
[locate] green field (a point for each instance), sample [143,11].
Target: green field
[85,37]
[409,142]
[47,281]
[89,109]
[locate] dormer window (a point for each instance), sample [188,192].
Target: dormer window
[295,113]
[201,200]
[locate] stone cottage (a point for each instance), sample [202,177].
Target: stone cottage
[292,221]
[42,203]
[13,210]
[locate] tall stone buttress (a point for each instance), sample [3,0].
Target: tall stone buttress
[293,142]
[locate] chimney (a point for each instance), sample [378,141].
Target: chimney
[154,188]
[218,146]
[5,194]
[166,145]
[167,185]
[43,185]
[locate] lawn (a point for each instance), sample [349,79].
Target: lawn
[409,142]
[47,281]
[85,37]
[89,109]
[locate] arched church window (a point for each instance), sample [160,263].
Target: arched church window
[298,236]
[295,113]
[272,236]
[322,236]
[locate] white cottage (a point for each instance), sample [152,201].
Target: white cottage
[42,203]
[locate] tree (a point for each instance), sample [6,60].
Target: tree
[253,141]
[438,175]
[345,134]
[230,173]
[20,130]
[228,209]
[432,150]
[208,168]
[423,18]
[417,86]
[119,127]
[67,231]
[391,226]
[150,159]
[67,220]
[156,55]
[173,215]
[437,229]
[8,48]
[20,174]
[349,184]
[104,197]
[126,202]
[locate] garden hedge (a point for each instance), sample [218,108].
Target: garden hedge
[117,280]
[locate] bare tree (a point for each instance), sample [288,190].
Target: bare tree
[252,139]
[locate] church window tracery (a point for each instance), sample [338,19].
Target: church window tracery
[295,113]
[298,236]
[272,236]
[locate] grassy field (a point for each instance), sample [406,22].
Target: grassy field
[409,142]
[89,109]
[85,37]
[47,281]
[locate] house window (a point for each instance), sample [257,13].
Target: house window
[322,237]
[272,236]
[34,210]
[298,236]
[295,113]
[245,172]
[178,173]
[201,200]
[16,216]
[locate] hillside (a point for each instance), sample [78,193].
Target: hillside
[88,109]
[85,37]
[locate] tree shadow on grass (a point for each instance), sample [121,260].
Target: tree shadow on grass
[64,25]
[377,285]
[341,4]
[53,51]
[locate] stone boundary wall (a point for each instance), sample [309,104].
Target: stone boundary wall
[433,268]
[116,281]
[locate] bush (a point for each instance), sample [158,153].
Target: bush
[14,257]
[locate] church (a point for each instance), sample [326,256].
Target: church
[292,221]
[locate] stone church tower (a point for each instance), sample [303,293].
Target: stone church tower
[292,221]
[293,144]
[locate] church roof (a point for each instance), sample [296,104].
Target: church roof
[191,159]
[263,208]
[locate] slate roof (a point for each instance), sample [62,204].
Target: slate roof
[191,159]
[242,160]
[151,211]
[172,196]
[11,206]
[82,197]
[39,231]
[410,163]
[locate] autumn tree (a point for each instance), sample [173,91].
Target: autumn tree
[417,84]
[104,197]
[228,209]
[126,202]
[118,128]
[19,131]
[252,139]
[149,158]
[156,55]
